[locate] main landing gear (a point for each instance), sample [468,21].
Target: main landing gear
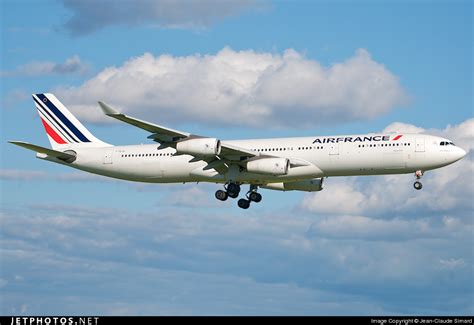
[417,185]
[232,190]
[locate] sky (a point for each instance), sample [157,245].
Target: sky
[75,243]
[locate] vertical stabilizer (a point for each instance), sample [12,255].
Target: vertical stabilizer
[62,128]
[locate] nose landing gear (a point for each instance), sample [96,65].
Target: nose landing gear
[417,185]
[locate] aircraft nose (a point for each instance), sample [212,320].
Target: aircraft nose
[460,153]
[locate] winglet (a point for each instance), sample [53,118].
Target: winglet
[108,110]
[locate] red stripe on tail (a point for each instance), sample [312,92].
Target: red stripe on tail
[52,133]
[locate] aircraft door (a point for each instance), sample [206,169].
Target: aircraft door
[420,144]
[108,157]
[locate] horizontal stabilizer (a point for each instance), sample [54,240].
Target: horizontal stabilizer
[64,156]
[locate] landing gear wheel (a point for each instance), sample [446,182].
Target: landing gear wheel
[233,190]
[233,187]
[243,203]
[255,197]
[233,195]
[221,195]
[417,185]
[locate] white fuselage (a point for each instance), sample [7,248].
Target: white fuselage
[370,154]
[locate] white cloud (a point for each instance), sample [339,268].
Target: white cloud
[403,127]
[72,65]
[462,134]
[329,200]
[81,176]
[11,98]
[29,175]
[90,16]
[257,263]
[22,174]
[240,88]
[189,197]
[452,263]
[365,228]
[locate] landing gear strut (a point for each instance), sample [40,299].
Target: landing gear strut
[417,185]
[252,196]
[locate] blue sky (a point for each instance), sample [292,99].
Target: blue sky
[73,243]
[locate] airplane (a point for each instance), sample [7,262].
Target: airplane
[284,164]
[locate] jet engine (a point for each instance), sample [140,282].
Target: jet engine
[269,166]
[199,147]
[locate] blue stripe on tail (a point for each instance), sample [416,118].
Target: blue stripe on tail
[63,118]
[61,128]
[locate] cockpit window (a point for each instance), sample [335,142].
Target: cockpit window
[446,143]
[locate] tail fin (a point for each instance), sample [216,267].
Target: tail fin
[63,128]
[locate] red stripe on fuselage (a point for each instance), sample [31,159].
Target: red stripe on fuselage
[52,133]
[397,137]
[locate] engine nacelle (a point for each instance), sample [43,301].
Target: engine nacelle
[199,147]
[310,185]
[269,166]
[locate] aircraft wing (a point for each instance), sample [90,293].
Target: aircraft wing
[167,136]
[160,133]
